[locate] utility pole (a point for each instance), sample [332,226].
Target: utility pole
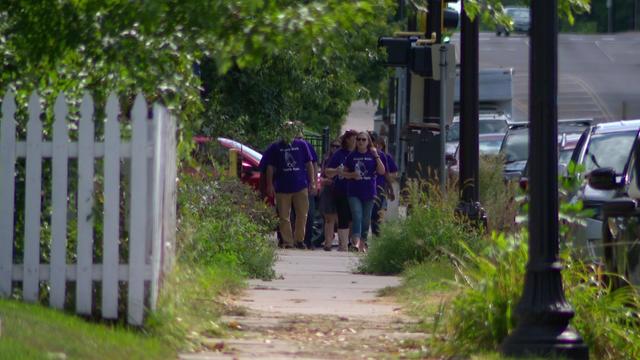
[543,312]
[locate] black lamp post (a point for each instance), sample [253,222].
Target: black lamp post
[543,312]
[469,109]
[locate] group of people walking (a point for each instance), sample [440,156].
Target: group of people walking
[355,177]
[355,173]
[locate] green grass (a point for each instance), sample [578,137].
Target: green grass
[36,332]
[425,286]
[191,303]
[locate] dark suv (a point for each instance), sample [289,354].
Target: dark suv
[621,217]
[604,150]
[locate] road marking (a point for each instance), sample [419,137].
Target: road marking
[608,38]
[601,104]
[604,52]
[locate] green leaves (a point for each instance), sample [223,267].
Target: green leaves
[151,46]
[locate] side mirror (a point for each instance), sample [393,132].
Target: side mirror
[603,179]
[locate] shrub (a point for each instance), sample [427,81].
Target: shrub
[497,196]
[491,282]
[430,229]
[223,220]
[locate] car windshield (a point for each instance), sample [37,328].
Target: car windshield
[492,126]
[484,127]
[490,147]
[516,147]
[564,156]
[519,14]
[609,150]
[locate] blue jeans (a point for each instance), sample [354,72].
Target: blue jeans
[361,217]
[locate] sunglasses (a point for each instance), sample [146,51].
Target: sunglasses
[335,145]
[361,139]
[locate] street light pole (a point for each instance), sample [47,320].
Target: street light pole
[443,117]
[543,312]
[469,109]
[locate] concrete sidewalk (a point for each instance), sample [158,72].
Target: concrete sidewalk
[320,283]
[316,309]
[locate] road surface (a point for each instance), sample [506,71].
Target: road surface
[599,75]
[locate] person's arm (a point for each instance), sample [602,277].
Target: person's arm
[311,174]
[379,165]
[330,172]
[270,188]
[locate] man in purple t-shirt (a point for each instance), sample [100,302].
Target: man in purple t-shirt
[290,176]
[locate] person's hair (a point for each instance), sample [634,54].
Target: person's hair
[369,142]
[331,150]
[347,134]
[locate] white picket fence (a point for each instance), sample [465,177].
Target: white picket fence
[149,160]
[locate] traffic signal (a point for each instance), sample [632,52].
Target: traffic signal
[450,19]
[420,61]
[398,49]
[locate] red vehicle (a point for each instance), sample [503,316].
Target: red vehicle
[250,158]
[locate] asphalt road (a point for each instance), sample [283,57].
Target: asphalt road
[599,75]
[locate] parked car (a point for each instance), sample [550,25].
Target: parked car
[515,150]
[515,147]
[621,218]
[604,149]
[488,144]
[520,21]
[488,123]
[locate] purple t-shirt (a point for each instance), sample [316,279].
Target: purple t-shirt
[312,151]
[340,183]
[290,165]
[365,164]
[389,167]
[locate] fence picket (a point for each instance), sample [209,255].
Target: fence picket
[60,163]
[110,225]
[169,195]
[159,119]
[33,188]
[85,206]
[7,190]
[138,222]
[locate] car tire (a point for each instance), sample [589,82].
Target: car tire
[506,33]
[498,33]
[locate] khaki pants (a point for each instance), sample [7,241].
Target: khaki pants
[300,202]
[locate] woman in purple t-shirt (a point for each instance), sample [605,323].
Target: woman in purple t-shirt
[334,171]
[361,168]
